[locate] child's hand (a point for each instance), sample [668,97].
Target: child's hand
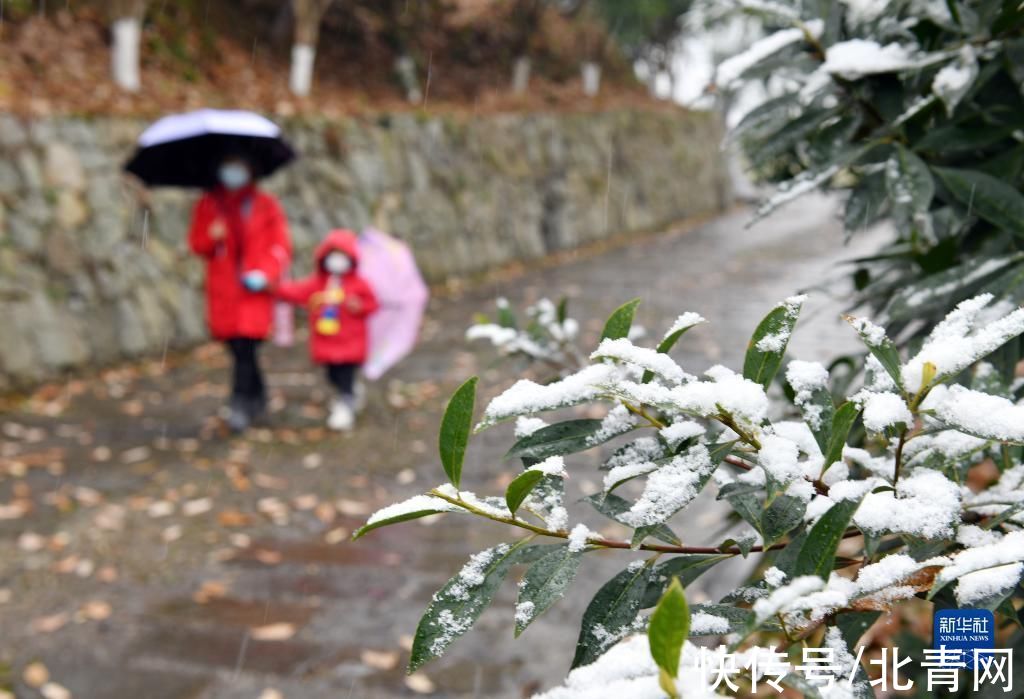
[354,304]
[218,229]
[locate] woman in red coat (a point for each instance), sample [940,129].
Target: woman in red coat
[339,302]
[242,234]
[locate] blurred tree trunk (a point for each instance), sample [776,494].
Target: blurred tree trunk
[308,14]
[126,33]
[525,16]
[594,45]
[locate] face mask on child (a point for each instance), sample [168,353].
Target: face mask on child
[233,175]
[337,263]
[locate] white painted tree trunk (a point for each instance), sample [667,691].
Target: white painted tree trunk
[591,78]
[301,79]
[521,75]
[124,58]
[405,66]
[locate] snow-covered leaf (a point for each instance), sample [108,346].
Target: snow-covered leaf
[995,201]
[620,321]
[558,439]
[781,517]
[818,552]
[612,506]
[954,80]
[457,605]
[610,615]
[545,582]
[768,344]
[413,508]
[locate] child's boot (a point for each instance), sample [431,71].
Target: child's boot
[238,415]
[342,417]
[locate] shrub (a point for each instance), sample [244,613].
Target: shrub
[916,110]
[909,525]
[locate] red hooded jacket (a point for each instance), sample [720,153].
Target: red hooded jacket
[255,237]
[337,333]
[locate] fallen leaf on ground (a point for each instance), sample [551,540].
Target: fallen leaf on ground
[353,508]
[233,518]
[378,659]
[420,683]
[30,542]
[337,535]
[49,624]
[101,453]
[171,533]
[160,508]
[52,690]
[96,610]
[35,675]
[211,589]
[269,558]
[14,510]
[107,574]
[270,693]
[197,507]
[312,461]
[269,482]
[306,501]
[274,632]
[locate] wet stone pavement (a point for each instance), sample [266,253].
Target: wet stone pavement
[144,553]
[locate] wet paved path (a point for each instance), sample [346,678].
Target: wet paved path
[144,554]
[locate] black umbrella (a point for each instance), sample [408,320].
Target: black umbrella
[184,150]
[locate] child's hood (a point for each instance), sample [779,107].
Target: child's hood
[338,239]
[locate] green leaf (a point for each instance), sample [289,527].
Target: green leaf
[668,630]
[945,288]
[520,487]
[842,422]
[612,506]
[438,507]
[557,440]
[853,625]
[667,344]
[879,344]
[994,200]
[739,619]
[818,410]
[457,605]
[818,553]
[455,429]
[563,310]
[506,317]
[620,321]
[686,567]
[781,517]
[909,181]
[611,613]
[544,584]
[649,468]
[768,344]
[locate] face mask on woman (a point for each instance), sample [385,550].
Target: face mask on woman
[337,263]
[233,175]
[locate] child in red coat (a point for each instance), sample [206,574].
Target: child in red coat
[339,302]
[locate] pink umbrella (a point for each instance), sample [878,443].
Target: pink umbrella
[389,266]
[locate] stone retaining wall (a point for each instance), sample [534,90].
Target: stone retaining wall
[91,271]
